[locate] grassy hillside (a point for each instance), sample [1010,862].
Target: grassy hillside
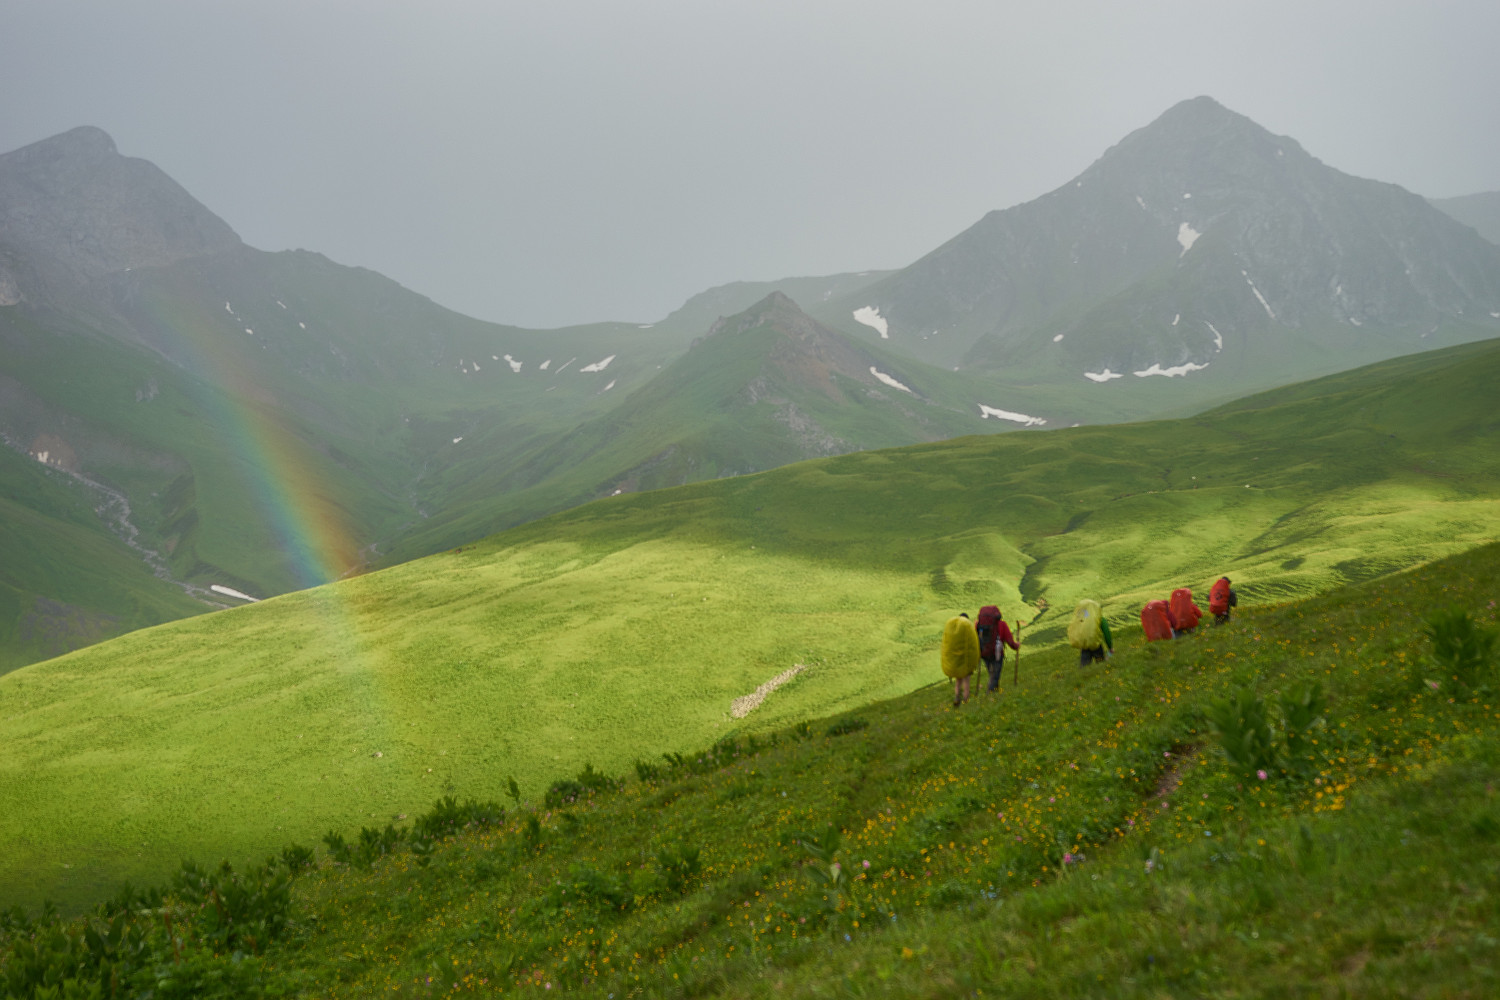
[628,626]
[65,581]
[1099,832]
[769,387]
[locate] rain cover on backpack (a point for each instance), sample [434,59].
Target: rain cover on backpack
[1084,631]
[1218,596]
[1155,621]
[1184,610]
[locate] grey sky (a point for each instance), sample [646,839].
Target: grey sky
[573,160]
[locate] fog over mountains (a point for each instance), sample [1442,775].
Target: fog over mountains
[262,421]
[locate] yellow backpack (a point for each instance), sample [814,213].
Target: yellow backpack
[1084,631]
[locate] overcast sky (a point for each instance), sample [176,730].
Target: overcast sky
[560,162]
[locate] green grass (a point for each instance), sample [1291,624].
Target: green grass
[65,582]
[1371,870]
[628,626]
[1079,835]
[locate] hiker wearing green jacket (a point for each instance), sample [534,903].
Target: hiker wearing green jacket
[1088,633]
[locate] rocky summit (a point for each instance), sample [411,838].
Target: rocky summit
[1199,239]
[72,201]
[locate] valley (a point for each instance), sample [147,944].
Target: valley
[626,627]
[277,420]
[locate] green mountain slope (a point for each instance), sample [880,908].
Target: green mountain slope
[272,421]
[766,387]
[1085,833]
[65,581]
[631,624]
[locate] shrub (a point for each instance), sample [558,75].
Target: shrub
[296,858]
[1463,651]
[843,726]
[448,816]
[588,782]
[1302,711]
[679,866]
[1240,724]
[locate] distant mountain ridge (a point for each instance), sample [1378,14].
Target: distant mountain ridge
[1480,211]
[1181,246]
[763,388]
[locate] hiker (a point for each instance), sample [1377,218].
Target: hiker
[1221,597]
[960,655]
[1156,621]
[1088,633]
[994,636]
[1185,613]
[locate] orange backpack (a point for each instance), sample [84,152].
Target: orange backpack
[1156,622]
[1218,596]
[1184,610]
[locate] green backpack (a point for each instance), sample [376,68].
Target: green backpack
[1084,631]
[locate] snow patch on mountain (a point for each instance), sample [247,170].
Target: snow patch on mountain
[1218,340]
[1176,370]
[597,366]
[544,365]
[888,380]
[1264,304]
[1139,202]
[515,365]
[985,412]
[1187,236]
[1103,376]
[219,588]
[870,316]
[609,387]
[1176,318]
[1057,339]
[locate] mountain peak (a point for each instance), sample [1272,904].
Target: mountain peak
[73,199]
[85,140]
[775,310]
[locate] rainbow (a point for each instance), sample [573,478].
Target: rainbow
[282,473]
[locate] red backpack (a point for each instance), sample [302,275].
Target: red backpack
[1156,621]
[1218,596]
[988,627]
[1184,611]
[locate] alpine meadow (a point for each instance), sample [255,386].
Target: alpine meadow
[352,647]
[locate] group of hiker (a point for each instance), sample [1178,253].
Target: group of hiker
[967,643]
[1178,615]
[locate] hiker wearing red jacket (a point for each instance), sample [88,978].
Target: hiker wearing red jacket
[994,636]
[1221,597]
